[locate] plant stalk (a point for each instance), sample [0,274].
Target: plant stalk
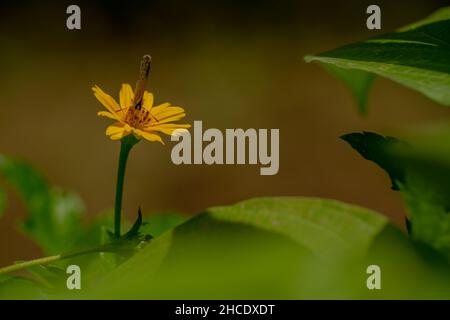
[47,260]
[126,144]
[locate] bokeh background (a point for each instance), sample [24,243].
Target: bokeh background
[231,64]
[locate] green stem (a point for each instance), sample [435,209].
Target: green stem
[30,263]
[47,260]
[126,144]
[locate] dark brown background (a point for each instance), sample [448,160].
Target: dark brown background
[229,63]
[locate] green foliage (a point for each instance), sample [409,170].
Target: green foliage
[273,248]
[427,188]
[261,248]
[375,147]
[359,82]
[439,15]
[430,219]
[157,224]
[325,227]
[12,288]
[409,270]
[53,216]
[416,57]
[252,249]
[423,179]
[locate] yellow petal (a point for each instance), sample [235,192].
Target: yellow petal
[115,128]
[158,109]
[117,131]
[126,96]
[119,135]
[106,100]
[148,136]
[172,118]
[170,114]
[147,100]
[108,115]
[168,128]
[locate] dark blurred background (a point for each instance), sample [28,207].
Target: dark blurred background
[229,63]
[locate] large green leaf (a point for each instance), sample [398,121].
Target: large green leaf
[17,288]
[266,249]
[325,227]
[254,249]
[417,57]
[157,224]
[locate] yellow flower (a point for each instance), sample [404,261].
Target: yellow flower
[144,121]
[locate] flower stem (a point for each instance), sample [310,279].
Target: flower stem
[126,144]
[47,260]
[30,263]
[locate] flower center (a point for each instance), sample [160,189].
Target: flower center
[138,118]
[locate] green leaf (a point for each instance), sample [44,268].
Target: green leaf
[252,249]
[359,82]
[17,288]
[376,148]
[421,171]
[416,57]
[50,277]
[401,261]
[328,228]
[430,145]
[54,216]
[427,188]
[157,224]
[439,15]
[430,217]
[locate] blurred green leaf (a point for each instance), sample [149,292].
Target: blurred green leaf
[252,249]
[416,57]
[430,145]
[54,216]
[439,15]
[359,82]
[409,271]
[18,288]
[157,224]
[49,276]
[326,227]
[430,218]
[271,248]
[96,266]
[421,171]
[427,188]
